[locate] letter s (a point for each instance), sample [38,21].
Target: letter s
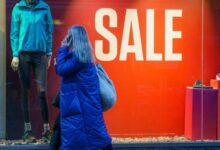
[106,34]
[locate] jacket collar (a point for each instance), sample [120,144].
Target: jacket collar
[40,5]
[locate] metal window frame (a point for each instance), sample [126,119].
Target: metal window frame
[2,69]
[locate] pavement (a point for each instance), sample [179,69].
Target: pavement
[135,146]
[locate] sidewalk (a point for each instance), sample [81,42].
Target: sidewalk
[135,146]
[148,143]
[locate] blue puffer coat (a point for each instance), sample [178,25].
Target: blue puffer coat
[82,122]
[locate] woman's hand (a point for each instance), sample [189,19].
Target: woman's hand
[67,41]
[64,43]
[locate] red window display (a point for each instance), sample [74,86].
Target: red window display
[151,49]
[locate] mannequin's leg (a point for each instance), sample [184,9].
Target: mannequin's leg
[24,76]
[40,71]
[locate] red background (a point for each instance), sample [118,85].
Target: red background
[150,94]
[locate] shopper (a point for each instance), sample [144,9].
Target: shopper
[31,43]
[82,122]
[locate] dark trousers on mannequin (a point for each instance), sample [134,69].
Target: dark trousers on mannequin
[36,62]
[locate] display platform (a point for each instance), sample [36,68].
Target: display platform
[216,84]
[201,117]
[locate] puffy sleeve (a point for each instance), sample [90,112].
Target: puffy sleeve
[67,63]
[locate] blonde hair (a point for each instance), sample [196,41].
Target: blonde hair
[81,44]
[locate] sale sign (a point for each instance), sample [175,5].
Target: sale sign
[131,23]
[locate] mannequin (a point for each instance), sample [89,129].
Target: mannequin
[32,2]
[31,43]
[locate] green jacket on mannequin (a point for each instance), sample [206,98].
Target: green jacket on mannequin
[31,28]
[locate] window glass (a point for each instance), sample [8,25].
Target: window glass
[161,56]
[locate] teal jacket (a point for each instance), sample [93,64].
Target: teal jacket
[31,28]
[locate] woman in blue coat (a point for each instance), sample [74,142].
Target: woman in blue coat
[82,122]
